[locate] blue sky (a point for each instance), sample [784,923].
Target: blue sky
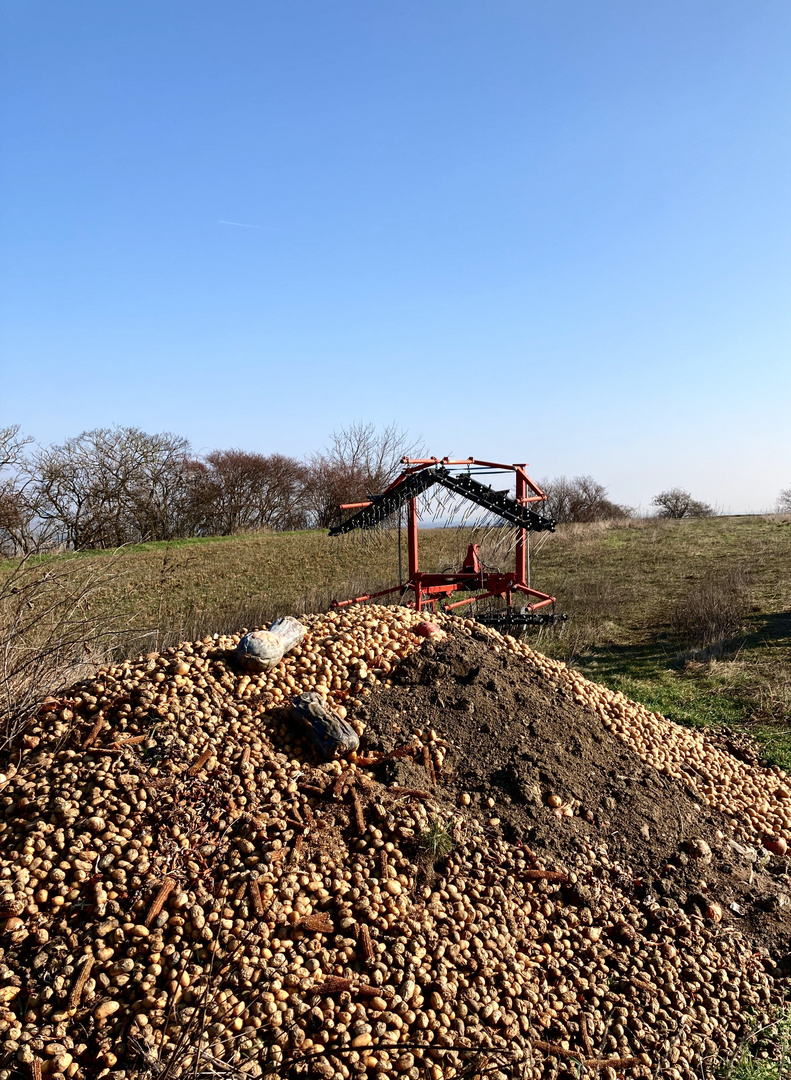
[547,232]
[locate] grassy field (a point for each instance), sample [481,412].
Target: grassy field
[627,588]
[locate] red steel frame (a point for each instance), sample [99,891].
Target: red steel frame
[429,588]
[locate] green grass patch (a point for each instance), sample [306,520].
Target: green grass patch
[764,1055]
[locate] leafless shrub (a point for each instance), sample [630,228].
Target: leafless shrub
[579,499]
[677,503]
[784,501]
[713,611]
[54,629]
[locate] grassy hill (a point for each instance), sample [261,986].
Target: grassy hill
[636,593]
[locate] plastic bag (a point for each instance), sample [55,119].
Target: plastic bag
[334,736]
[289,630]
[262,650]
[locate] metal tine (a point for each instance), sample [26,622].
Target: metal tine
[485,525]
[483,521]
[540,543]
[444,505]
[493,525]
[436,508]
[461,507]
[469,510]
[514,539]
[505,543]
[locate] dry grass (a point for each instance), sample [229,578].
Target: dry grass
[714,611]
[57,623]
[621,582]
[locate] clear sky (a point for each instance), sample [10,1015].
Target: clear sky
[556,232]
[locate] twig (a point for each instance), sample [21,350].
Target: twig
[365,942]
[359,818]
[586,1039]
[198,765]
[318,923]
[544,875]
[312,789]
[82,978]
[255,896]
[92,734]
[119,744]
[334,984]
[590,1063]
[165,890]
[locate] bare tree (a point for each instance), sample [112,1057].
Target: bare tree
[677,503]
[18,533]
[113,486]
[12,447]
[784,502]
[359,461]
[240,491]
[580,498]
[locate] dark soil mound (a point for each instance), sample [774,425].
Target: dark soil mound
[516,738]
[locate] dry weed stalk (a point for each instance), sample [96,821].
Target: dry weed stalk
[54,629]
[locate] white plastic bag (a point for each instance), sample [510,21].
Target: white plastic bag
[289,630]
[262,650]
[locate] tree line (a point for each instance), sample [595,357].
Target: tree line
[121,485]
[113,486]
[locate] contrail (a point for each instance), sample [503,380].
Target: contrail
[244,225]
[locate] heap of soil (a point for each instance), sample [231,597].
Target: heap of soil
[516,737]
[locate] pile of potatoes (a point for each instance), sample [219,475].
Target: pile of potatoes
[184,888]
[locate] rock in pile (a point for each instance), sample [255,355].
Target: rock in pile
[187,890]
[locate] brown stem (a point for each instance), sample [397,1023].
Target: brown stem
[198,765]
[586,1040]
[165,890]
[91,738]
[590,1063]
[544,875]
[359,819]
[82,978]
[365,942]
[255,896]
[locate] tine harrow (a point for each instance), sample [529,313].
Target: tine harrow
[491,510]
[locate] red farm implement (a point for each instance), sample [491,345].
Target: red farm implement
[514,514]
